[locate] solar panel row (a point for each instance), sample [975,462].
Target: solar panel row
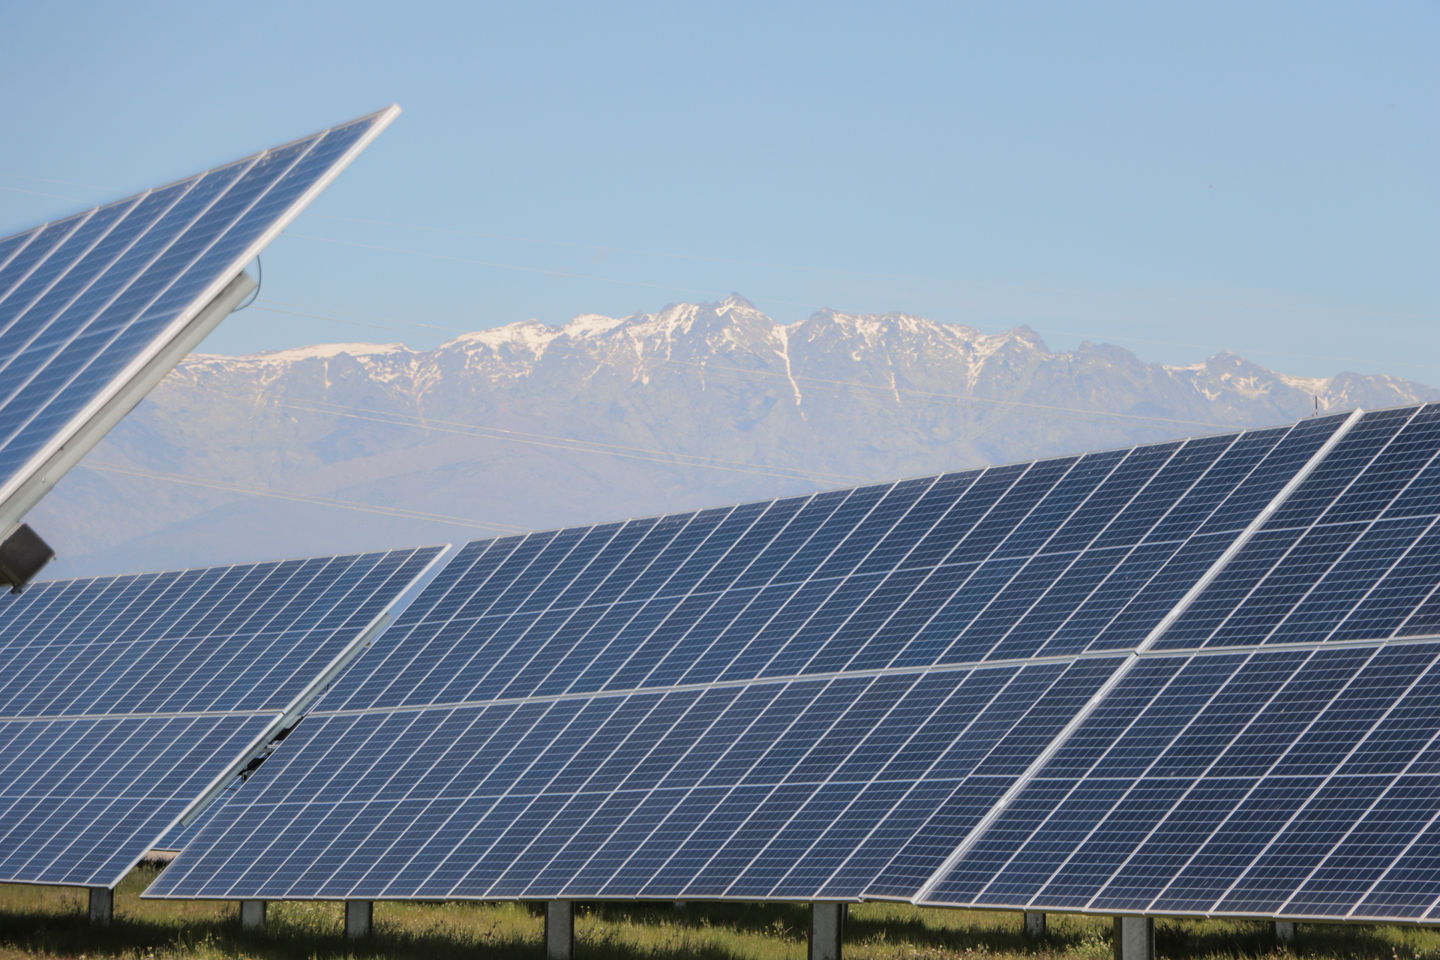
[123,700]
[805,698]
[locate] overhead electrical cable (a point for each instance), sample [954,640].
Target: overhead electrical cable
[231,486]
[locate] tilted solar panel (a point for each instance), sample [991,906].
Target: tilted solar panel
[816,697]
[124,701]
[1290,770]
[1352,555]
[96,308]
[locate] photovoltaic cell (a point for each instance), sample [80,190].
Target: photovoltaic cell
[1283,783]
[88,301]
[1351,555]
[123,700]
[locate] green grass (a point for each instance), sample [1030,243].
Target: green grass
[50,922]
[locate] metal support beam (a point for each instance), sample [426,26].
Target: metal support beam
[252,914]
[827,930]
[1034,925]
[559,930]
[1134,938]
[1285,933]
[359,915]
[102,906]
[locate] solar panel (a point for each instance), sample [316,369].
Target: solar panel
[1238,786]
[127,701]
[813,697]
[1290,769]
[97,307]
[1350,556]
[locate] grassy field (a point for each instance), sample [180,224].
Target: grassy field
[48,922]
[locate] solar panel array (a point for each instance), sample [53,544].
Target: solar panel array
[123,700]
[807,698]
[86,302]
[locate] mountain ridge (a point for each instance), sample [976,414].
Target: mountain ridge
[530,426]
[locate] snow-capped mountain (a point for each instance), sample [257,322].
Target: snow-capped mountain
[530,426]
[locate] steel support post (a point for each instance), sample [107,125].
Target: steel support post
[559,930]
[252,914]
[1285,933]
[827,929]
[1034,925]
[359,917]
[102,906]
[1134,938]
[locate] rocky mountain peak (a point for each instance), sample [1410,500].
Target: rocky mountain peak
[531,426]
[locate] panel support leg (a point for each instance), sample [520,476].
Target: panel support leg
[559,930]
[827,926]
[102,906]
[1285,933]
[252,914]
[359,915]
[1134,938]
[1034,925]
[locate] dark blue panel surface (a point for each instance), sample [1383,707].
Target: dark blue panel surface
[124,699]
[1056,557]
[713,793]
[1271,783]
[1353,553]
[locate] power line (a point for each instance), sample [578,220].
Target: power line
[231,486]
[476,431]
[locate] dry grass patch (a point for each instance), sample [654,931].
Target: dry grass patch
[49,923]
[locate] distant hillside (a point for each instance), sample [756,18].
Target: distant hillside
[531,426]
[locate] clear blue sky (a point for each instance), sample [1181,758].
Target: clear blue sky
[1178,179]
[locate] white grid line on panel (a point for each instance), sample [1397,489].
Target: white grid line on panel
[1078,554]
[134,277]
[841,579]
[1114,679]
[413,619]
[1264,776]
[922,778]
[186,314]
[905,849]
[1317,523]
[778,739]
[820,785]
[1080,779]
[1334,771]
[1235,676]
[1220,754]
[579,789]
